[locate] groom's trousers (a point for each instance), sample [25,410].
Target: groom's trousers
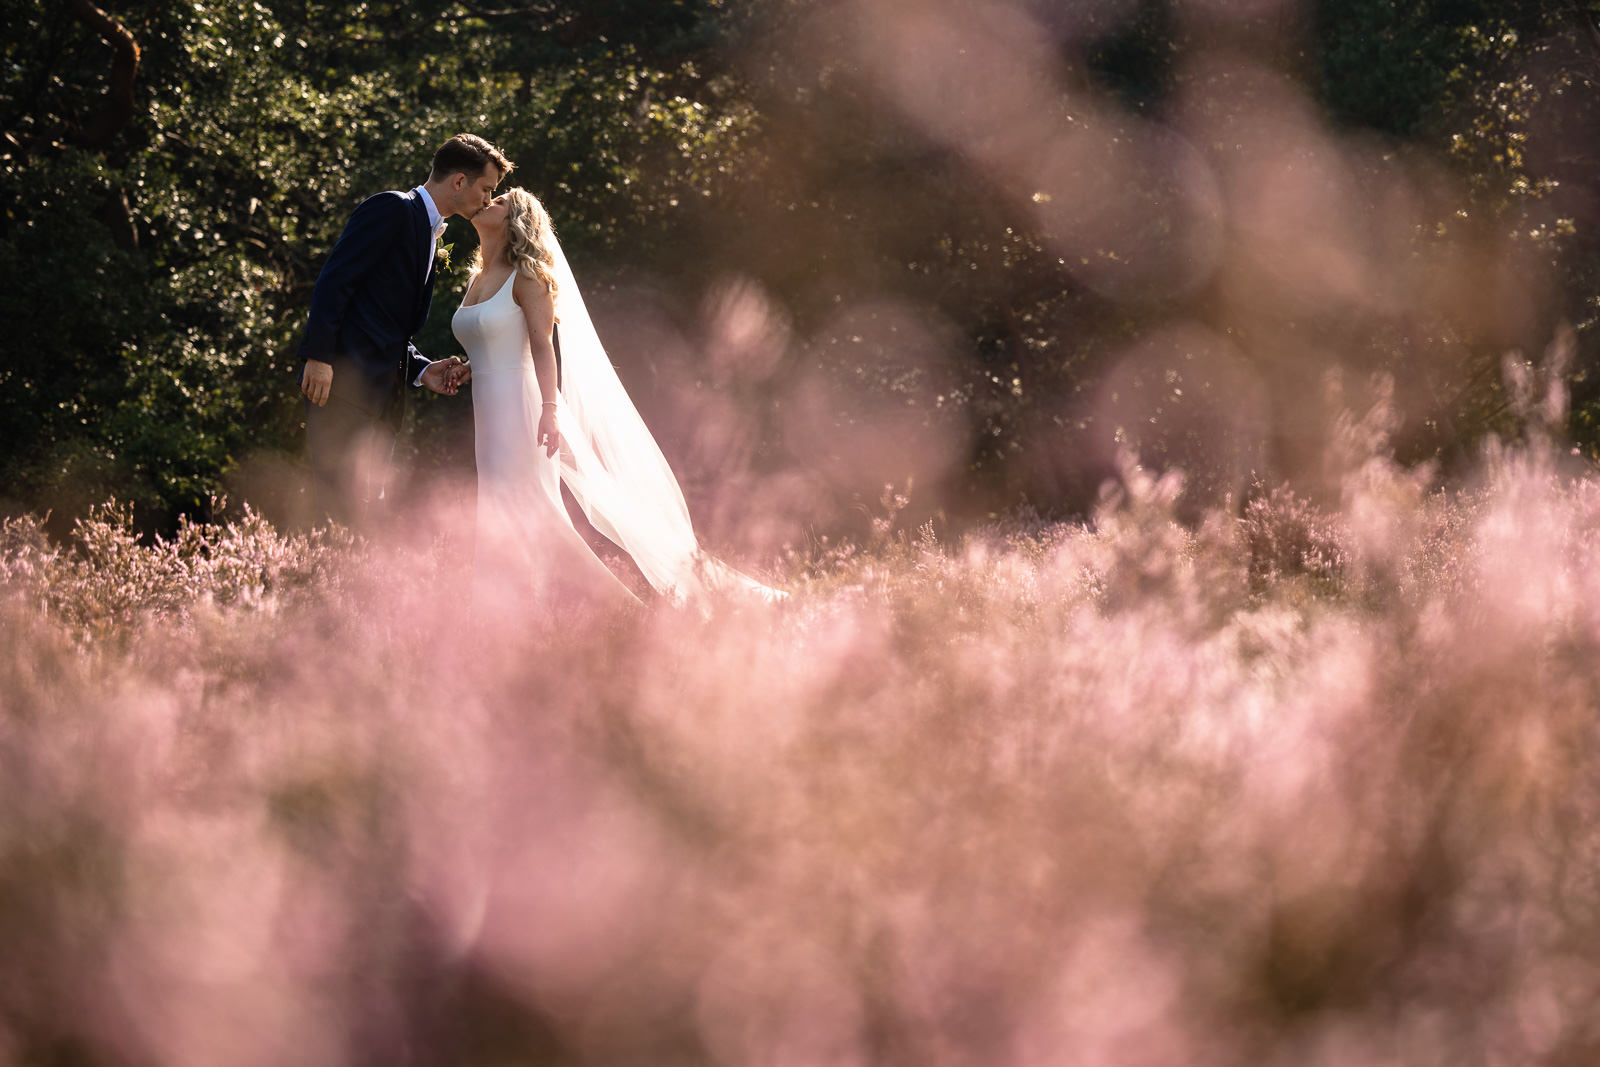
[351,452]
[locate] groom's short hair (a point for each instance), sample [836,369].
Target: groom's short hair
[467,153]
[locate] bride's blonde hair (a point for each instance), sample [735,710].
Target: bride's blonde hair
[528,239]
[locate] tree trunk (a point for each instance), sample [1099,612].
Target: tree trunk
[118,108]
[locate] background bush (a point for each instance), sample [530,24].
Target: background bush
[1141,225]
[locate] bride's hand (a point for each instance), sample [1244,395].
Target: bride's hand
[549,435]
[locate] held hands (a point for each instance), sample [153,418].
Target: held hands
[447,376]
[549,435]
[316,381]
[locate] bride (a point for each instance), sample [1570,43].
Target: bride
[541,421]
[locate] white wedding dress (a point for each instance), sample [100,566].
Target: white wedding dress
[527,549]
[529,556]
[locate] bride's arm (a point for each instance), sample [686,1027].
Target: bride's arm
[539,315]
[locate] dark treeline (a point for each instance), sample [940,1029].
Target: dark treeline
[834,244]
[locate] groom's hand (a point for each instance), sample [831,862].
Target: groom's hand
[444,375]
[316,380]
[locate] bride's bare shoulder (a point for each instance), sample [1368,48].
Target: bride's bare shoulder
[530,292]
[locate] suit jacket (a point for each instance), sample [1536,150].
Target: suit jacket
[371,297]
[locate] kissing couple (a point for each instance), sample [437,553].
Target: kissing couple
[547,407]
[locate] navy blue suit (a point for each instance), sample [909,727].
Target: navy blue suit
[371,297]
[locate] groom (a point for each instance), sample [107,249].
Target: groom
[371,297]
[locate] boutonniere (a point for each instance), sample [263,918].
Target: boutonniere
[441,258]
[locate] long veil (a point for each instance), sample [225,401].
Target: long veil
[616,472]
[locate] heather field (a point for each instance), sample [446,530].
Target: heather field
[1291,785]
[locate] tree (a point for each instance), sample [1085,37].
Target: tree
[1020,235]
[174,202]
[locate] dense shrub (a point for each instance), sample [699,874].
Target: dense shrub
[110,581]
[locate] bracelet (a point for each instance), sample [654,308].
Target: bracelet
[548,404]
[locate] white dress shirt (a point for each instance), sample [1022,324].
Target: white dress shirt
[436,223]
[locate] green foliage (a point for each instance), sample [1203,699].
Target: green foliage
[1506,93]
[156,285]
[157,277]
[1387,65]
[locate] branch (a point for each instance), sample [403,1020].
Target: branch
[1588,22]
[507,13]
[124,67]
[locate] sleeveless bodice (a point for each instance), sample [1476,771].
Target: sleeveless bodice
[494,333]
